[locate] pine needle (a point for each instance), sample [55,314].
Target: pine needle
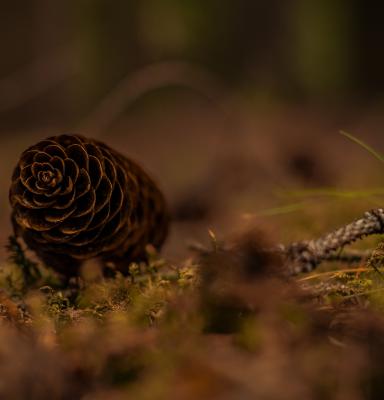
[338,193]
[333,273]
[269,212]
[365,146]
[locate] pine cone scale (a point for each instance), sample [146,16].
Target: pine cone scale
[71,170]
[100,217]
[59,216]
[95,171]
[55,150]
[62,202]
[78,154]
[58,163]
[76,225]
[25,174]
[42,157]
[85,204]
[83,183]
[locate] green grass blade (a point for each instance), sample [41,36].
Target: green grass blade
[332,192]
[269,212]
[365,146]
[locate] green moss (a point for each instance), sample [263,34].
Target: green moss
[158,333]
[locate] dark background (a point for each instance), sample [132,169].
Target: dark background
[226,102]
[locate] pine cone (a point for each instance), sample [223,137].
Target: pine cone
[75,198]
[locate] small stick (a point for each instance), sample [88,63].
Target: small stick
[351,256]
[347,257]
[305,256]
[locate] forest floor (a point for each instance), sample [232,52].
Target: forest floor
[224,323]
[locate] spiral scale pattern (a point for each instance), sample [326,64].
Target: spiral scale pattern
[75,198]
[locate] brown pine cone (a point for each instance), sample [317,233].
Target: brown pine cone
[75,198]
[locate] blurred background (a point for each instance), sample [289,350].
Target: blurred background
[233,106]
